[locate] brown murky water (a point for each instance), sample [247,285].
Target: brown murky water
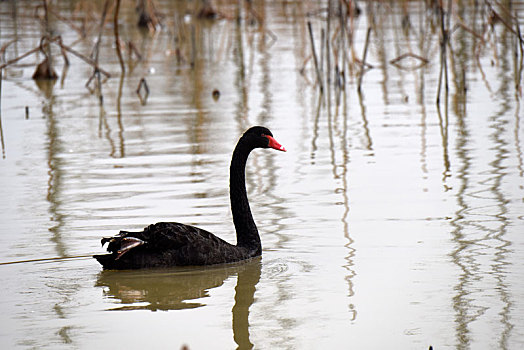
[389,222]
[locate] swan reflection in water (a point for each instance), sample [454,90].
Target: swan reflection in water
[179,288]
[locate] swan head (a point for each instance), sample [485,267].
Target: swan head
[263,138]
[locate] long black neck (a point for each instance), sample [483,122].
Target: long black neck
[247,233]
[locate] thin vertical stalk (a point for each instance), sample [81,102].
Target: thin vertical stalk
[328,34]
[1,130]
[94,53]
[443,53]
[363,67]
[117,37]
[519,62]
[193,46]
[315,58]
[322,48]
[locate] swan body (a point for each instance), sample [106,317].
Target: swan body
[167,244]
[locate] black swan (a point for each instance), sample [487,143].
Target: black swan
[167,244]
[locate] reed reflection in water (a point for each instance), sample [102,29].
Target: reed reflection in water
[480,231]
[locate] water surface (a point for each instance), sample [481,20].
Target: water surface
[390,222]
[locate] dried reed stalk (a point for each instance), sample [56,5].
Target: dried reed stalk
[117,37]
[315,59]
[363,64]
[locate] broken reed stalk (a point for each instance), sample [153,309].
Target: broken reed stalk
[99,83]
[345,36]
[521,42]
[315,58]
[462,25]
[63,51]
[16,59]
[45,69]
[439,87]
[94,53]
[117,37]
[133,50]
[443,53]
[193,46]
[64,48]
[521,49]
[46,15]
[322,49]
[1,129]
[339,49]
[152,9]
[4,47]
[503,21]
[363,64]
[328,34]
[86,59]
[448,34]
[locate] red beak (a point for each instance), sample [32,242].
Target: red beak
[274,144]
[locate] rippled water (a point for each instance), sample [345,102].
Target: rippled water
[388,223]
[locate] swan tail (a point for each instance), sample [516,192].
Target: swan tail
[118,246]
[106,260]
